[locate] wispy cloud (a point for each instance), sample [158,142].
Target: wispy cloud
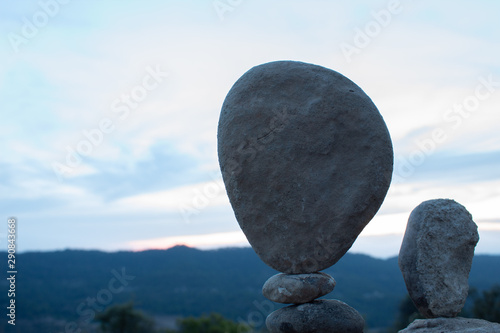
[66,78]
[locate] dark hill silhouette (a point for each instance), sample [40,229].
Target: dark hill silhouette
[181,281]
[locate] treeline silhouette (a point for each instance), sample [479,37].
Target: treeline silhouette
[61,287]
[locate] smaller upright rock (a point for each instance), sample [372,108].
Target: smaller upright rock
[436,256]
[297,288]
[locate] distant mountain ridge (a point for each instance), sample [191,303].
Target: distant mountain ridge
[73,285]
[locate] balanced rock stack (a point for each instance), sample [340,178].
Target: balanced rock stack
[301,290]
[435,259]
[307,160]
[307,315]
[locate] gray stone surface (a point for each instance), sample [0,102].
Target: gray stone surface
[297,288]
[323,316]
[436,256]
[306,159]
[455,325]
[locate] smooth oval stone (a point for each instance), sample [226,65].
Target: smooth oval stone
[436,256]
[323,316]
[297,288]
[306,159]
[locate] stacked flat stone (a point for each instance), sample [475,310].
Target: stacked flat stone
[307,160]
[435,259]
[297,288]
[307,314]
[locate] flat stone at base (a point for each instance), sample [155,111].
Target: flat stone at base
[323,316]
[297,288]
[455,325]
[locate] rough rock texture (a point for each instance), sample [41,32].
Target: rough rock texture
[324,316]
[436,256]
[306,159]
[297,288]
[455,325]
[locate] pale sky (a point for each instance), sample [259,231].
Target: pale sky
[109,111]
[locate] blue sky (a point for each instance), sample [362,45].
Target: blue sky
[110,109]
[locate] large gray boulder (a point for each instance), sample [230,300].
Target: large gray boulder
[455,325]
[306,159]
[436,256]
[322,316]
[297,288]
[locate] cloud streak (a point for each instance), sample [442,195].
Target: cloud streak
[155,175]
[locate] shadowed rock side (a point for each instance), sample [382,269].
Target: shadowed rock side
[306,159]
[436,257]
